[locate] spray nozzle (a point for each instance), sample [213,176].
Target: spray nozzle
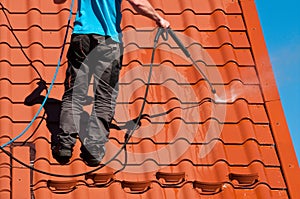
[213,90]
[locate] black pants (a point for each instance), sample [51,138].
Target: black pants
[90,55]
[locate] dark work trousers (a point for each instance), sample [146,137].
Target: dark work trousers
[101,57]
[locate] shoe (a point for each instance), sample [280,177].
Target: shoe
[93,155]
[61,155]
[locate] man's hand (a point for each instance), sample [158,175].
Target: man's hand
[163,23]
[145,8]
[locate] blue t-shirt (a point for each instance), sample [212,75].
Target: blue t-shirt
[101,17]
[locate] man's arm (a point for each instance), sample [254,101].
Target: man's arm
[145,8]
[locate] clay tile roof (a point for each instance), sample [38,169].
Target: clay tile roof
[190,143]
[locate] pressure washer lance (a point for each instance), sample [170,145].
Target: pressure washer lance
[184,50]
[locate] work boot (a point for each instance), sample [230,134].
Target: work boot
[92,156]
[61,154]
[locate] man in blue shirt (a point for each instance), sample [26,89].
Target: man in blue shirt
[95,50]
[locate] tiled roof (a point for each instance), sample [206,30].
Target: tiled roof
[190,144]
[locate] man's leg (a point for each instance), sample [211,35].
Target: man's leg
[107,58]
[76,86]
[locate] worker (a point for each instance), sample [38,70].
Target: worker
[95,50]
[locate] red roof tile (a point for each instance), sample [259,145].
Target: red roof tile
[190,144]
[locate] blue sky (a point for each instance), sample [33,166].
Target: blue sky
[281,26]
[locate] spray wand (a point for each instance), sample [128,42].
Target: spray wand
[184,50]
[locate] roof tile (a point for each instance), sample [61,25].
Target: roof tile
[202,7]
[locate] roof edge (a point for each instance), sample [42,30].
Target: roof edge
[284,145]
[285,149]
[261,56]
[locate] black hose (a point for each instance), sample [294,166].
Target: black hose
[21,46]
[159,33]
[127,138]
